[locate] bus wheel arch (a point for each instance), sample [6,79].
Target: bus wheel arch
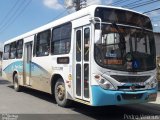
[16,84]
[54,79]
[57,82]
[14,73]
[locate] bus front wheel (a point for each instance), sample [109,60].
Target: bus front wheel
[17,87]
[60,94]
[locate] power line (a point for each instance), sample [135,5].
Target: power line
[132,3]
[122,2]
[144,4]
[155,20]
[152,10]
[117,2]
[114,2]
[135,3]
[12,14]
[57,16]
[9,12]
[16,16]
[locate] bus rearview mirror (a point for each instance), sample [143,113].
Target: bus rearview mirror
[98,34]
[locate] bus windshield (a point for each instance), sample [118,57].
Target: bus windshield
[123,17]
[125,48]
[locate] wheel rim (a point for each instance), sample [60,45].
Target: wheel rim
[60,92]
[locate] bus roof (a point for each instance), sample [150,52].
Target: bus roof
[83,12]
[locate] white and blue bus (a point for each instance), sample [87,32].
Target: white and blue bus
[98,56]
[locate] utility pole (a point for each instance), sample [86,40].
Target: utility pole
[79,4]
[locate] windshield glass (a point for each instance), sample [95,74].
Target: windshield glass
[120,16]
[125,48]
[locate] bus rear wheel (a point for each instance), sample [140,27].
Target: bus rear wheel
[17,87]
[60,94]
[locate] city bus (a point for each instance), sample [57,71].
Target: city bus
[98,56]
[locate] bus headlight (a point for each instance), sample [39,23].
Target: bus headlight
[105,84]
[152,84]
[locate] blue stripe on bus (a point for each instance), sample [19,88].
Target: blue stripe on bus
[18,65]
[15,65]
[101,97]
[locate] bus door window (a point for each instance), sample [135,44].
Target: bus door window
[19,48]
[86,43]
[86,59]
[78,46]
[29,49]
[78,79]
[78,60]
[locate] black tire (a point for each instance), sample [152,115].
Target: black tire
[17,87]
[60,94]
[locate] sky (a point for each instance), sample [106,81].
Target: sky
[20,16]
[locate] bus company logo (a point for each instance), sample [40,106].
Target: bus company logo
[9,117]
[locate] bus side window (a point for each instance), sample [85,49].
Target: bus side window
[6,52]
[19,48]
[61,39]
[12,54]
[43,43]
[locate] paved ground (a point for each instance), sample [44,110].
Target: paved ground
[35,102]
[158,99]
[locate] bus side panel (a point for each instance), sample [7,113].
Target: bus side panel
[65,71]
[11,66]
[41,73]
[6,74]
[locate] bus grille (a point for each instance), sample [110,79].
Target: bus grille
[128,87]
[130,79]
[132,96]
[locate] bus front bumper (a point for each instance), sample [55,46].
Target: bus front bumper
[101,97]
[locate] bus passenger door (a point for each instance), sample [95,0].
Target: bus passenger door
[27,63]
[82,67]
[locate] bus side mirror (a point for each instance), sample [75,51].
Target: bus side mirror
[98,36]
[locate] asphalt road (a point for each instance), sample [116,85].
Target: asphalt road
[30,104]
